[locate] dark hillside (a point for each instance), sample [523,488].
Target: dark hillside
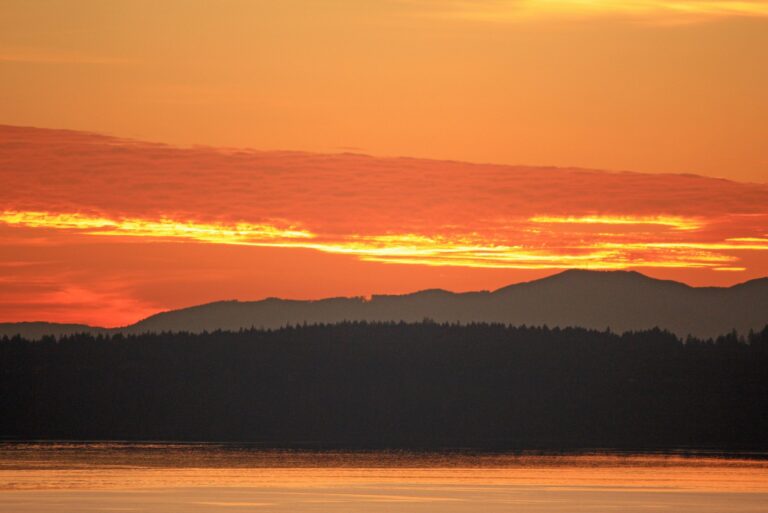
[387,385]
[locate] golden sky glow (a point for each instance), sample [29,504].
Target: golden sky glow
[680,223]
[544,251]
[454,250]
[238,233]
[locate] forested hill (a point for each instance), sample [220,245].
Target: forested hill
[392,385]
[619,300]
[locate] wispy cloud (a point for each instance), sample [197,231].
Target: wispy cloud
[661,10]
[535,249]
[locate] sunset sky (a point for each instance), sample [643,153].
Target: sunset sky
[155,155]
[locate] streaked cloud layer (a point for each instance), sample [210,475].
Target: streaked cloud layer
[346,215]
[500,10]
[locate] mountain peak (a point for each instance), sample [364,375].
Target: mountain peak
[586,278]
[601,273]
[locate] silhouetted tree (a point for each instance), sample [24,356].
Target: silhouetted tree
[396,385]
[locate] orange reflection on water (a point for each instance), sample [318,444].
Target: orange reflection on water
[165,478]
[136,466]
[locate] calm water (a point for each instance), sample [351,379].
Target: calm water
[71,477]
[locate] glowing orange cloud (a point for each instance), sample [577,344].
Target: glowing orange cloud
[654,9]
[108,230]
[239,233]
[416,249]
[680,223]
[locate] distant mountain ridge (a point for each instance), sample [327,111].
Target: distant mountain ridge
[37,329]
[619,300]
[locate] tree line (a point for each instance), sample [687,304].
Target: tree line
[364,385]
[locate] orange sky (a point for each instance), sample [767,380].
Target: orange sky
[106,230]
[642,85]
